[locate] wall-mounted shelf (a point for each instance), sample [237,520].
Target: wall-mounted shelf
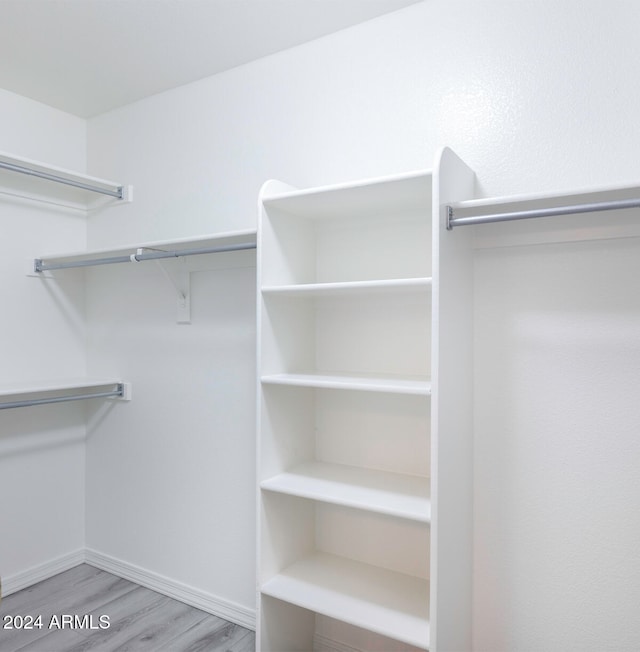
[163,252]
[61,391]
[157,250]
[593,214]
[36,180]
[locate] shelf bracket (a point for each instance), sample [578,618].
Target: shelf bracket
[176,271]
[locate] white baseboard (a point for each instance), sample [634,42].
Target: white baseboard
[212,604]
[35,574]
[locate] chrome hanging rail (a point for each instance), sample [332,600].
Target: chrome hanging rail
[118,193]
[41,266]
[118,392]
[540,212]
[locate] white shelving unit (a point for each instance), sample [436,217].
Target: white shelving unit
[345,323]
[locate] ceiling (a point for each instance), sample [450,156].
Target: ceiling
[90,56]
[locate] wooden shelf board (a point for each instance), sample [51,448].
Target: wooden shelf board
[382,601]
[419,385]
[405,285]
[405,192]
[394,494]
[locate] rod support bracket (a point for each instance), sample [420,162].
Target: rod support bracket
[449,218]
[124,391]
[178,274]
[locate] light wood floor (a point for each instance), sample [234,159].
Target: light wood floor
[140,620]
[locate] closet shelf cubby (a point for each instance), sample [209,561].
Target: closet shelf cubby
[394,494]
[384,195]
[382,601]
[31,179]
[62,390]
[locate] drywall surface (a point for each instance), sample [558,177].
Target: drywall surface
[557,526]
[41,337]
[170,475]
[534,96]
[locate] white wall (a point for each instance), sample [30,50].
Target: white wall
[557,450]
[41,337]
[534,96]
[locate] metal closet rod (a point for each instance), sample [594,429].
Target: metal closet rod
[41,266]
[118,193]
[540,212]
[119,391]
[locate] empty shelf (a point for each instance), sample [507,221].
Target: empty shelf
[371,383]
[405,192]
[395,494]
[383,601]
[349,288]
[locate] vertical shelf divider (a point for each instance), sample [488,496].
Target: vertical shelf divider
[451,413]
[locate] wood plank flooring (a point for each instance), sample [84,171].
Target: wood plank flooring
[139,619]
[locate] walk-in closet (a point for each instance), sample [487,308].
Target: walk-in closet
[321,326]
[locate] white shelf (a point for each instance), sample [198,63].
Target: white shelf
[549,199]
[360,288]
[34,187]
[394,494]
[372,383]
[567,228]
[45,386]
[60,390]
[382,601]
[401,193]
[179,244]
